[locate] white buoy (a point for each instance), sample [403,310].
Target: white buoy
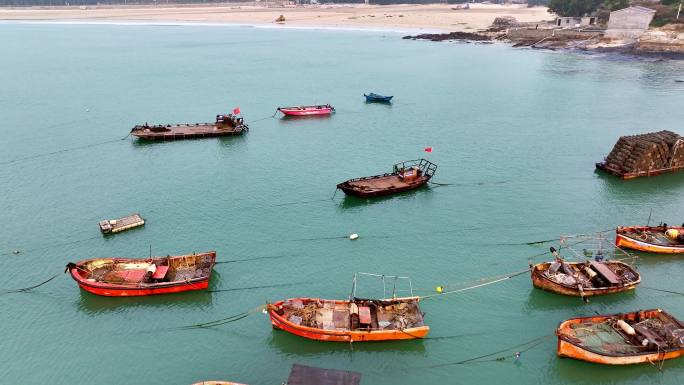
[87,109]
[354,237]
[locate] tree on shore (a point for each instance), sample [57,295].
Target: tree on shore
[573,8]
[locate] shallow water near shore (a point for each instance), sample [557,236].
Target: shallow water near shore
[516,133]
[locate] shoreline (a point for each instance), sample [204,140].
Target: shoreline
[383,18]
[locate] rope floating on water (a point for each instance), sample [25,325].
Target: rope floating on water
[221,321]
[25,289]
[528,345]
[493,281]
[36,156]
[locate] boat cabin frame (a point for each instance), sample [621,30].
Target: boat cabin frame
[395,279]
[426,167]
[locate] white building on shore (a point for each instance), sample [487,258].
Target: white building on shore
[629,23]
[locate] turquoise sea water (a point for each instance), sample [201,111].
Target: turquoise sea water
[516,131]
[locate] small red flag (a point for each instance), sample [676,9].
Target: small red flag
[427,149]
[236,111]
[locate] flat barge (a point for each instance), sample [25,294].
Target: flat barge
[112,226]
[405,176]
[225,125]
[644,155]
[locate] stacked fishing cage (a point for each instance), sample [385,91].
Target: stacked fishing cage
[645,154]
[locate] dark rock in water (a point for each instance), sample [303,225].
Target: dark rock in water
[679,81]
[451,36]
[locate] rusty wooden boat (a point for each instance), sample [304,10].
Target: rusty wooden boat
[661,239]
[405,176]
[648,336]
[225,125]
[353,320]
[113,226]
[126,277]
[584,279]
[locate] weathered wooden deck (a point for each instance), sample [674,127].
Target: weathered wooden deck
[121,224]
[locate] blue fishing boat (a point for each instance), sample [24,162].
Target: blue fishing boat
[371,98]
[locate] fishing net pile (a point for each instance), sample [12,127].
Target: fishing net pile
[646,152]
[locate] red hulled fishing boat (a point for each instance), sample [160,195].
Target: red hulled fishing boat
[125,277]
[325,109]
[353,320]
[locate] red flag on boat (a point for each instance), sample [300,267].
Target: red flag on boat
[236,111]
[427,149]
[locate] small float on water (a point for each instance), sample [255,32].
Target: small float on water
[375,98]
[648,336]
[353,320]
[405,176]
[662,239]
[126,277]
[113,226]
[584,279]
[325,109]
[225,125]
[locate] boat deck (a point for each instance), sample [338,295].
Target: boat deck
[651,236]
[384,182]
[186,131]
[121,224]
[359,315]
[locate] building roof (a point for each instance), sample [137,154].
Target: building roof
[636,8]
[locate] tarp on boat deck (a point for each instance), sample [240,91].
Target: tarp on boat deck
[308,375]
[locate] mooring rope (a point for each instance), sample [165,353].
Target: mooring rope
[527,344]
[25,289]
[491,281]
[252,259]
[221,321]
[259,287]
[662,290]
[16,160]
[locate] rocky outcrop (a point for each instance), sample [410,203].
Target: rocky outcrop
[667,39]
[469,36]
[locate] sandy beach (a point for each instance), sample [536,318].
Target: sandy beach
[434,17]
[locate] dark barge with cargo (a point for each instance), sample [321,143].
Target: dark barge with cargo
[648,154]
[408,175]
[225,125]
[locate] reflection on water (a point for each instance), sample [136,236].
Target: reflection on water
[95,304]
[353,202]
[291,344]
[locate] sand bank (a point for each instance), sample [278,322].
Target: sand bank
[438,17]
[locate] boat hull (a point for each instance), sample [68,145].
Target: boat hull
[627,242]
[137,292]
[541,282]
[281,323]
[350,190]
[306,112]
[378,99]
[566,348]
[632,175]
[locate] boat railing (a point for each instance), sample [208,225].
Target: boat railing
[426,167]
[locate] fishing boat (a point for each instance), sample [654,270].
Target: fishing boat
[584,279]
[648,336]
[126,277]
[325,109]
[353,320]
[375,98]
[662,239]
[225,125]
[217,383]
[113,226]
[405,176]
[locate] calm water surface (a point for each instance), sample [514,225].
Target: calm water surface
[516,132]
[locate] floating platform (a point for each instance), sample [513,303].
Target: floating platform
[121,224]
[225,125]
